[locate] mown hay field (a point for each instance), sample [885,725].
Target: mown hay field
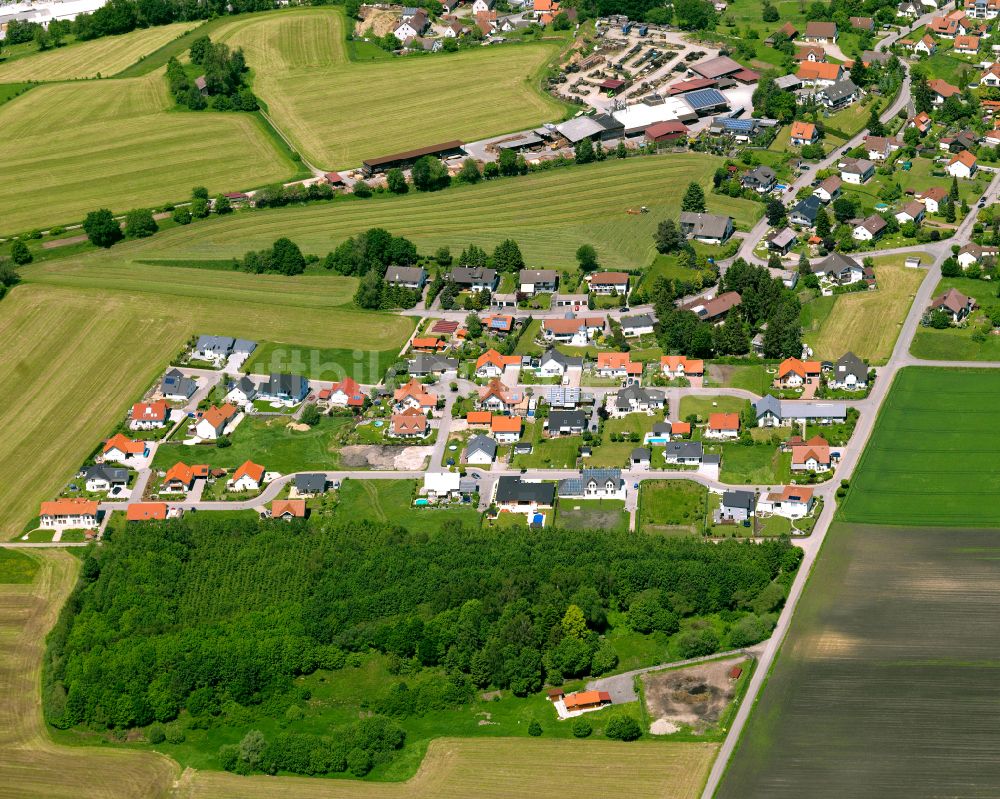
[31,765]
[338,113]
[886,684]
[931,459]
[498,769]
[115,144]
[867,323]
[105,56]
[550,214]
[77,357]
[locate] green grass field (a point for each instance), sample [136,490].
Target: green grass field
[702,407]
[878,689]
[17,567]
[865,323]
[104,57]
[592,514]
[115,144]
[549,214]
[392,501]
[929,459]
[672,507]
[339,112]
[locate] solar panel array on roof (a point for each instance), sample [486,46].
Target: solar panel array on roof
[444,326]
[499,322]
[705,98]
[743,125]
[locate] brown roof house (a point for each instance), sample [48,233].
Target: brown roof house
[821,32]
[954,303]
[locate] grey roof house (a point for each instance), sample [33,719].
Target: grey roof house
[310,483]
[737,506]
[411,277]
[512,491]
[567,422]
[708,228]
[593,483]
[805,211]
[850,373]
[762,179]
[176,386]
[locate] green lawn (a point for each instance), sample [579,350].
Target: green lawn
[267,441]
[592,514]
[672,507]
[753,378]
[754,464]
[560,452]
[928,459]
[703,406]
[392,501]
[616,453]
[326,363]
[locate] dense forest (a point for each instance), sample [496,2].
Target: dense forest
[202,613]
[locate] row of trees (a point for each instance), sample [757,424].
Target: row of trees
[197,613]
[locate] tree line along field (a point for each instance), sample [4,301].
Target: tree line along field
[550,214]
[337,112]
[114,144]
[102,57]
[886,682]
[78,354]
[866,323]
[931,458]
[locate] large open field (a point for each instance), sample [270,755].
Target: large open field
[338,113]
[956,343]
[886,684]
[865,323]
[115,144]
[549,214]
[931,458]
[105,56]
[82,345]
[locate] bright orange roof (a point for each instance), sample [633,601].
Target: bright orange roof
[219,416]
[151,411]
[546,5]
[584,698]
[803,130]
[491,356]
[294,507]
[146,511]
[427,343]
[69,507]
[803,493]
[125,444]
[416,390]
[184,473]
[680,428]
[801,368]
[479,417]
[818,70]
[964,157]
[723,421]
[249,469]
[966,42]
[613,360]
[506,424]
[802,453]
[691,366]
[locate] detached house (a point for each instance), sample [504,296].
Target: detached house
[554,364]
[913,211]
[932,198]
[68,514]
[840,269]
[725,426]
[639,325]
[480,450]
[408,277]
[594,484]
[761,179]
[822,32]
[849,374]
[881,147]
[794,373]
[991,77]
[248,477]
[492,364]
[514,494]
[411,423]
[973,253]
[348,394]
[737,506]
[242,392]
[414,395]
[538,281]
[474,278]
[805,211]
[840,94]
[617,364]
[212,423]
[811,53]
[686,453]
[121,449]
[609,283]
[925,45]
[792,502]
[803,133]
[506,429]
[674,366]
[104,479]
[856,170]
[942,90]
[819,73]
[177,388]
[149,415]
[715,309]
[411,27]
[706,228]
[967,44]
[181,477]
[566,423]
[829,189]
[636,399]
[962,165]
[870,228]
[498,398]
[283,389]
[575,331]
[813,456]
[955,304]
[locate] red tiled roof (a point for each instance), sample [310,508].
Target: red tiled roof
[292,507]
[69,507]
[723,421]
[125,444]
[249,469]
[146,511]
